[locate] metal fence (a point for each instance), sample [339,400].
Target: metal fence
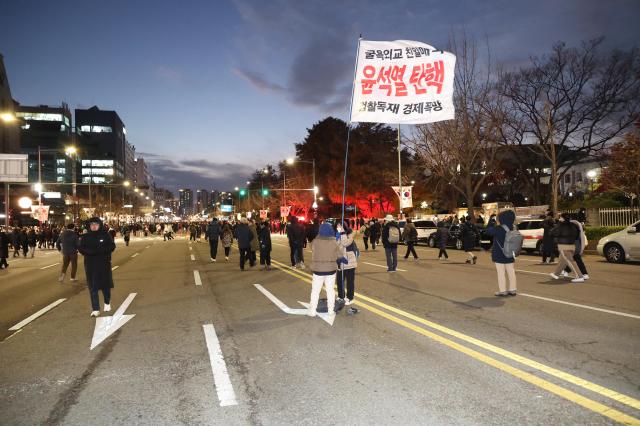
[617,216]
[621,216]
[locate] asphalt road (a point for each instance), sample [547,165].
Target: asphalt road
[430,345]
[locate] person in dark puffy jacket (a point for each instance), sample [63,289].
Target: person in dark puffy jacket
[296,237]
[410,238]
[565,235]
[469,234]
[442,237]
[67,243]
[244,237]
[213,236]
[548,247]
[504,264]
[265,245]
[96,246]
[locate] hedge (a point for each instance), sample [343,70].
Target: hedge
[594,233]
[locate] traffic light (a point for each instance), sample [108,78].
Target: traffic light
[243,192]
[265,192]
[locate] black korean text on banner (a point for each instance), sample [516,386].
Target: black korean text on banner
[402,81]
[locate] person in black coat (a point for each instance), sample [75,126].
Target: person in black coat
[24,242]
[469,236]
[4,249]
[96,246]
[264,236]
[244,236]
[548,245]
[442,237]
[213,235]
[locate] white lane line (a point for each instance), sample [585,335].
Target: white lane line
[115,267]
[135,254]
[190,248]
[193,257]
[221,378]
[577,305]
[196,277]
[533,272]
[41,312]
[382,266]
[49,266]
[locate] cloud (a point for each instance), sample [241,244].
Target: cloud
[173,173]
[258,81]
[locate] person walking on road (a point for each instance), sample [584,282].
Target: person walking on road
[227,239]
[375,231]
[265,246]
[15,241]
[32,241]
[548,246]
[565,234]
[68,244]
[366,233]
[581,243]
[4,249]
[255,243]
[469,236]
[347,271]
[244,237]
[390,240]
[96,246]
[442,237]
[296,236]
[213,236]
[24,242]
[504,265]
[326,255]
[127,235]
[410,238]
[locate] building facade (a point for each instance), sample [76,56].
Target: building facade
[202,200]
[9,131]
[105,154]
[186,202]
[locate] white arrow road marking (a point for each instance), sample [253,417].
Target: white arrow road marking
[106,326]
[49,266]
[41,312]
[284,308]
[196,277]
[325,316]
[224,388]
[193,257]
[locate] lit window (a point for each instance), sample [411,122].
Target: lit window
[102,163]
[61,170]
[60,179]
[62,128]
[60,161]
[96,129]
[39,116]
[86,163]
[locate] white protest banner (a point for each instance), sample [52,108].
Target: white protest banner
[406,198]
[40,213]
[403,82]
[284,211]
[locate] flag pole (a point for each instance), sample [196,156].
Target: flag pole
[399,174]
[346,152]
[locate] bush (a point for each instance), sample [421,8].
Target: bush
[594,233]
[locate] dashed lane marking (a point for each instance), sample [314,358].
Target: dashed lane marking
[38,314]
[578,305]
[382,266]
[115,267]
[224,388]
[49,266]
[193,257]
[196,277]
[135,254]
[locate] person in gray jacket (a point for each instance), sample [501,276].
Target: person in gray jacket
[68,244]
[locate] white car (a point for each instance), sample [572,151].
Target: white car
[532,232]
[622,245]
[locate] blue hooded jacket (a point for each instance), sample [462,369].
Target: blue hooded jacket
[507,217]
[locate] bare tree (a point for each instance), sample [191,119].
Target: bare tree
[569,105]
[460,153]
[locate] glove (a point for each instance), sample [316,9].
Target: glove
[343,260]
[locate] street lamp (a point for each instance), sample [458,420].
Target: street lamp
[25,202]
[313,163]
[7,117]
[126,183]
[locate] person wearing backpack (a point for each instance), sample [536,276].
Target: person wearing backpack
[504,264]
[410,238]
[347,271]
[390,240]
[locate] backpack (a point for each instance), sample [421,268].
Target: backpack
[512,243]
[394,235]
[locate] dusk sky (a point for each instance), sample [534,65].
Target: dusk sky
[211,90]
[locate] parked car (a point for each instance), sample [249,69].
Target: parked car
[532,232]
[622,245]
